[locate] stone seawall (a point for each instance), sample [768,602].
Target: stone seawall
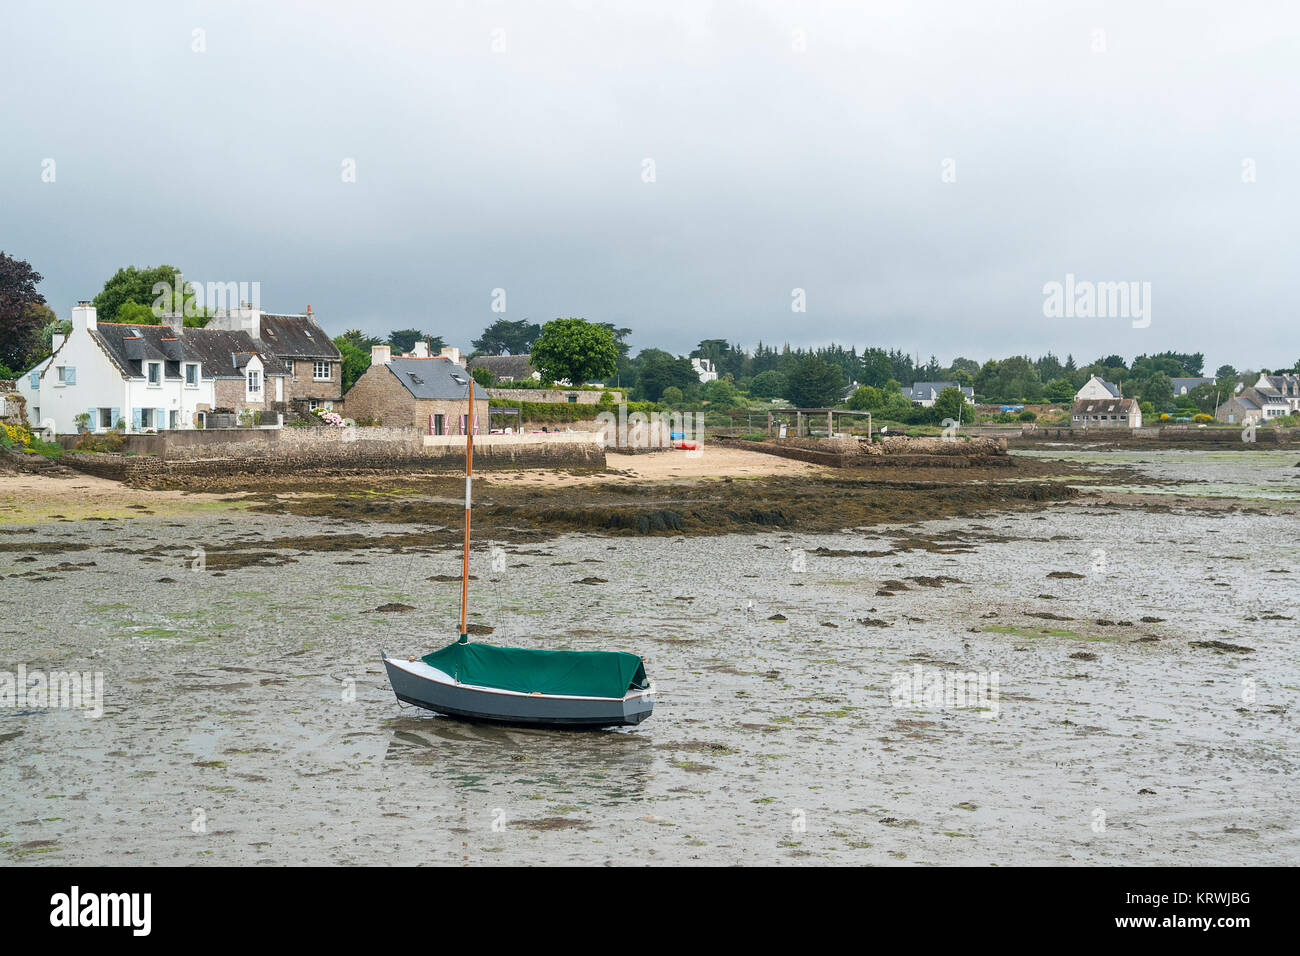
[188,463]
[886,452]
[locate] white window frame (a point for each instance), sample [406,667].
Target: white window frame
[59,376]
[149,372]
[316,375]
[253,382]
[198,372]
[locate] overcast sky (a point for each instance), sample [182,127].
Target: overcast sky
[794,146]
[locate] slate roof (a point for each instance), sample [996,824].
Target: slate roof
[431,378]
[297,337]
[1189,383]
[1104,406]
[924,391]
[514,367]
[217,350]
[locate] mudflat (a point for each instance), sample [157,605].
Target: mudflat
[1123,634]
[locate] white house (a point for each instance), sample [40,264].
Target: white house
[1286,385]
[926,394]
[704,369]
[149,377]
[1097,389]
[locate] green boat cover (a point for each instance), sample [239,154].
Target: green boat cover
[576,673]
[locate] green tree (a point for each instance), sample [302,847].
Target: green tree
[505,337]
[951,403]
[358,339]
[866,397]
[1159,391]
[145,287]
[721,393]
[814,383]
[22,311]
[403,340]
[769,384]
[575,350]
[356,359]
[657,370]
[672,395]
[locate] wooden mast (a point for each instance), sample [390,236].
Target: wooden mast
[469,469]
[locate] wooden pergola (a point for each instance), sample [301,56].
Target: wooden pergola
[830,414]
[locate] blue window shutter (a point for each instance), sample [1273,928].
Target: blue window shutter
[69,375]
[94,418]
[160,420]
[117,414]
[137,419]
[36,380]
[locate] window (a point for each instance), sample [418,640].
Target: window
[105,418]
[35,380]
[320,371]
[67,375]
[155,373]
[313,404]
[254,381]
[191,376]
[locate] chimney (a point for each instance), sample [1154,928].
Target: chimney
[380,354]
[420,350]
[56,341]
[451,352]
[83,316]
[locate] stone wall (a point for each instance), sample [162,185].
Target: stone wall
[553,395]
[184,459]
[15,406]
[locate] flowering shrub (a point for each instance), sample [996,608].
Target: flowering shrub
[333,419]
[18,435]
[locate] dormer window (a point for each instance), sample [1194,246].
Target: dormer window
[254,381]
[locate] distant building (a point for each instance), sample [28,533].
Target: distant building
[507,368]
[1286,385]
[1097,388]
[1184,385]
[416,389]
[926,393]
[1106,413]
[704,369]
[1253,406]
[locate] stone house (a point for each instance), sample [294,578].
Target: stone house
[1106,413]
[416,389]
[1097,388]
[1253,406]
[150,377]
[314,362]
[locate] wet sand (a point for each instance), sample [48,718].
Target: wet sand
[247,720]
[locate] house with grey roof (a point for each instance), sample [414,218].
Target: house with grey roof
[430,392]
[1253,405]
[1106,413]
[926,393]
[314,362]
[144,378]
[1184,385]
[1287,385]
[1097,388]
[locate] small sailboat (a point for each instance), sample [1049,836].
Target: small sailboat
[512,685]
